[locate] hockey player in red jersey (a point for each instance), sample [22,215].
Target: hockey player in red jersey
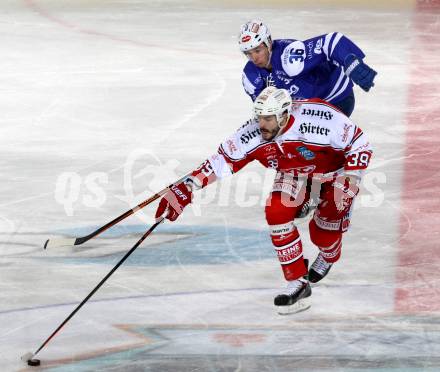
[311,145]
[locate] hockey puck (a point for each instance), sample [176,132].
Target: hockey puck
[33,362]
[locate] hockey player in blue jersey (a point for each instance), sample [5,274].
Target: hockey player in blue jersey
[323,67]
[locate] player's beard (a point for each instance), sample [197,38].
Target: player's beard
[269,135]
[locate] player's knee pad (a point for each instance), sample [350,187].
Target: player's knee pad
[329,242]
[277,210]
[322,237]
[282,234]
[328,217]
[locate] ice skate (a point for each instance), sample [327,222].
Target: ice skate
[319,269]
[309,206]
[295,298]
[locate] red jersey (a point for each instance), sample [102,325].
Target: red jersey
[318,139]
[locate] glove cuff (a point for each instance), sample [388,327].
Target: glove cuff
[352,66]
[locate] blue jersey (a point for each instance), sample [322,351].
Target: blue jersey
[307,69]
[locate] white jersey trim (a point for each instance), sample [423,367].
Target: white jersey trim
[328,37]
[335,87]
[220,166]
[336,41]
[247,85]
[344,86]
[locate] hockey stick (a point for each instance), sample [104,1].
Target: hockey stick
[28,356]
[61,242]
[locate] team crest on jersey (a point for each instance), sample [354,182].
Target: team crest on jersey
[318,46]
[306,153]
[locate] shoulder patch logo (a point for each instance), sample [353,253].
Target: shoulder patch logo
[346,131]
[318,47]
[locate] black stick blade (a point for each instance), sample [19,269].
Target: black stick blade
[33,362]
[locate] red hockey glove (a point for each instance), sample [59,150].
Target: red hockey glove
[174,201]
[339,197]
[180,195]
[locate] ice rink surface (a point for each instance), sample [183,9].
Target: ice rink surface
[104,102]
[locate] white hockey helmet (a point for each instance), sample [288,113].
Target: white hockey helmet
[252,34]
[273,101]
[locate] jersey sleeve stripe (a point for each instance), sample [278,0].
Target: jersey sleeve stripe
[338,83]
[327,43]
[342,89]
[248,86]
[330,47]
[335,41]
[355,138]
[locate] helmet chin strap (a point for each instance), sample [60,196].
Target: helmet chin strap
[280,128]
[269,47]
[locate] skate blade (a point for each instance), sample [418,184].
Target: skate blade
[297,307]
